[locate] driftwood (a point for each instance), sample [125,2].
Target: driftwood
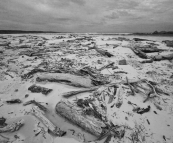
[74,115]
[104,52]
[38,89]
[147,61]
[139,53]
[69,79]
[163,57]
[35,103]
[31,73]
[12,127]
[150,49]
[106,66]
[13,101]
[55,130]
[72,93]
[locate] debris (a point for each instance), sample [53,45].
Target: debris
[35,103]
[27,95]
[148,122]
[73,114]
[143,110]
[72,93]
[2,122]
[164,137]
[31,73]
[12,127]
[157,106]
[55,130]
[139,53]
[73,80]
[38,89]
[13,101]
[107,66]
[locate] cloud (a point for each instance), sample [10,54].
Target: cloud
[86,15]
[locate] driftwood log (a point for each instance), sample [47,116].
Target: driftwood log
[69,79]
[139,53]
[55,130]
[12,127]
[104,52]
[74,115]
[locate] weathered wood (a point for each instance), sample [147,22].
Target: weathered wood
[106,66]
[75,115]
[139,53]
[55,130]
[38,89]
[72,93]
[12,127]
[104,52]
[69,79]
[35,103]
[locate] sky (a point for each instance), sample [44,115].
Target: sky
[87,15]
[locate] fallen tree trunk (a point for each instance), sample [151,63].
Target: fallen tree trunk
[74,115]
[55,130]
[12,127]
[69,79]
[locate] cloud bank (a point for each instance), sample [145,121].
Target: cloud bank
[87,15]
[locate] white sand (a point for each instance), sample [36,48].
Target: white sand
[161,124]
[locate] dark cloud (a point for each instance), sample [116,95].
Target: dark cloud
[86,15]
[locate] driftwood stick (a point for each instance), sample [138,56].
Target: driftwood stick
[55,130]
[133,93]
[106,66]
[12,127]
[72,113]
[103,52]
[72,93]
[35,103]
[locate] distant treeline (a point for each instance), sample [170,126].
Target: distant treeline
[21,31]
[157,33]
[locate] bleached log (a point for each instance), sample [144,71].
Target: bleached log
[55,130]
[75,116]
[69,79]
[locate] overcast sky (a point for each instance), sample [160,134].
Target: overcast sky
[87,15]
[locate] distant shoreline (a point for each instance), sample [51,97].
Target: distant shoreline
[162,33]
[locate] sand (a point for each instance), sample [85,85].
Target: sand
[14,64]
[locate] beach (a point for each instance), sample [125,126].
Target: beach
[44,67]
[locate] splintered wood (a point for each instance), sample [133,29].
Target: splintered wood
[12,127]
[73,114]
[55,130]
